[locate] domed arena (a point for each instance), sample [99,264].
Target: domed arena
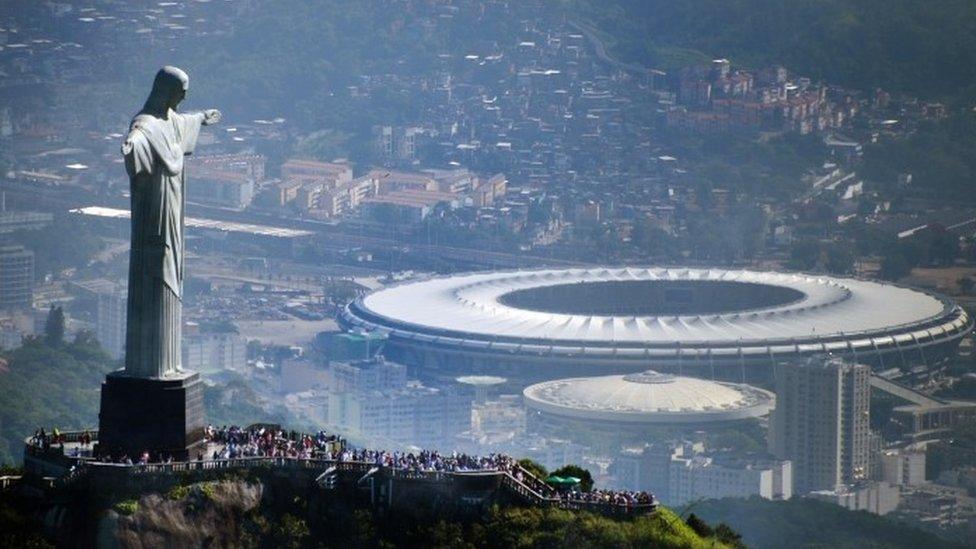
[714,323]
[646,399]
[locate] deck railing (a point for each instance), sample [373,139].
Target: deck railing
[525,485]
[8,482]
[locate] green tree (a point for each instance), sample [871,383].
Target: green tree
[699,526]
[54,326]
[586,479]
[654,241]
[805,254]
[49,386]
[894,267]
[534,467]
[728,536]
[290,532]
[966,284]
[840,258]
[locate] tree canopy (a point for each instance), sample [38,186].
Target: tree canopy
[49,386]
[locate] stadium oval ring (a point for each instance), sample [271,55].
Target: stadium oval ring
[543,324]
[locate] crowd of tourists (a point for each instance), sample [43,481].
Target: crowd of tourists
[267,441]
[626,498]
[233,442]
[428,460]
[45,440]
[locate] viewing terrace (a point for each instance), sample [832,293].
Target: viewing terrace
[70,460]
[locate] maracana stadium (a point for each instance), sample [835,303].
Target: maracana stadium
[715,323]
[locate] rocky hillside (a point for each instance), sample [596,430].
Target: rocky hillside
[260,512]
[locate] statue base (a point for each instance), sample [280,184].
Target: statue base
[163,416]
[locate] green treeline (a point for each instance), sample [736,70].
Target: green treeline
[808,523]
[49,383]
[939,155]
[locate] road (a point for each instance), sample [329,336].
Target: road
[601,52]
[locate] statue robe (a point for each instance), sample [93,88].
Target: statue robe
[154,151]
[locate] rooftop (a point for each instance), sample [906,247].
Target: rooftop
[648,398]
[648,306]
[199,223]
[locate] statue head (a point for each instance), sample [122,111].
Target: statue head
[169,89]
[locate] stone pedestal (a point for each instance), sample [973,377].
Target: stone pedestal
[163,416]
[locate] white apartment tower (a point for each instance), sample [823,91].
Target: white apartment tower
[822,421]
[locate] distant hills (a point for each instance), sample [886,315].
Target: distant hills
[809,523]
[922,48]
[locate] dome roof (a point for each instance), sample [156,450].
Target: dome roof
[481,380]
[648,397]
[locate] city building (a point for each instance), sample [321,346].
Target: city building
[11,221]
[350,346]
[16,278]
[247,164]
[903,467]
[396,144]
[212,351]
[374,399]
[330,173]
[222,188]
[315,188]
[921,417]
[14,326]
[302,374]
[227,180]
[110,320]
[399,196]
[109,299]
[720,98]
[682,473]
[406,206]
[938,505]
[501,419]
[875,497]
[822,422]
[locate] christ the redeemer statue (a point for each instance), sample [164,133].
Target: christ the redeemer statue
[159,138]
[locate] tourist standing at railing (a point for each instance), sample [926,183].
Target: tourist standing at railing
[282,446]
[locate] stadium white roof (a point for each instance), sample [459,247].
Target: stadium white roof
[469,307]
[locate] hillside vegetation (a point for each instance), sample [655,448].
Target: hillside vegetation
[924,48]
[253,514]
[49,385]
[809,523]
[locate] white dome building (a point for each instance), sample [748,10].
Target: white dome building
[646,399]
